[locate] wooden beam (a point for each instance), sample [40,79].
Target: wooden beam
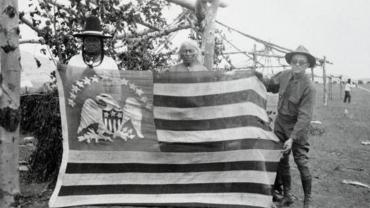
[272,45]
[191,5]
[253,53]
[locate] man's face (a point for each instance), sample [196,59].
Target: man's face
[92,45]
[188,55]
[299,63]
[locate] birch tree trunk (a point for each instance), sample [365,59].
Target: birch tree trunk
[208,39]
[9,101]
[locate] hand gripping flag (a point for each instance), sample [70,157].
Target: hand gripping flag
[184,139]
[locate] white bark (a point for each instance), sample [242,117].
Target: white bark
[208,38]
[10,71]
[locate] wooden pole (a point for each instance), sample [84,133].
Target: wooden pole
[10,69]
[312,75]
[325,97]
[208,38]
[330,88]
[340,88]
[254,57]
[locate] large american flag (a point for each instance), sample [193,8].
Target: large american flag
[207,143]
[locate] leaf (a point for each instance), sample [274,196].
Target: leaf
[38,63]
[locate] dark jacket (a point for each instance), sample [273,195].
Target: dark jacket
[296,99]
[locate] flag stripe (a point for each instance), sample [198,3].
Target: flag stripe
[210,124]
[221,146]
[168,168]
[171,158]
[200,76]
[210,100]
[210,112]
[221,200]
[209,88]
[166,188]
[215,135]
[170,178]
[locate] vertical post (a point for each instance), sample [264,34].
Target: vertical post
[340,87]
[330,87]
[254,57]
[325,97]
[10,69]
[312,75]
[208,38]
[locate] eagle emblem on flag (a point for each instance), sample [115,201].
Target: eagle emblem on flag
[103,119]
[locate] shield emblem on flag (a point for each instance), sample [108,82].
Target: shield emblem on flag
[112,119]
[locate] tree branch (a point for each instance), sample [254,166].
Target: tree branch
[154,34]
[70,11]
[29,24]
[32,41]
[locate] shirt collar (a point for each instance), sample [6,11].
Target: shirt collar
[297,76]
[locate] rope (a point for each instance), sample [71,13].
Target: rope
[274,46]
[236,48]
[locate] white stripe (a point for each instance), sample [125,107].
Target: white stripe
[110,125]
[261,177]
[210,112]
[209,88]
[215,135]
[172,158]
[246,199]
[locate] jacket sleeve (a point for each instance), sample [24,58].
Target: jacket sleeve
[305,111]
[272,84]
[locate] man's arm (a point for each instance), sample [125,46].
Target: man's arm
[305,112]
[272,84]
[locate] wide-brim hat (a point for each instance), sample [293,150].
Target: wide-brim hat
[92,28]
[303,51]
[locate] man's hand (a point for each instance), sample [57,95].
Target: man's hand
[287,146]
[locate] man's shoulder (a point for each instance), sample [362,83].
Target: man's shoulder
[76,60]
[108,62]
[309,85]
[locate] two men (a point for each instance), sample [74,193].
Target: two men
[295,108]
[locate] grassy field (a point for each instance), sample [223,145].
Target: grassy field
[336,155]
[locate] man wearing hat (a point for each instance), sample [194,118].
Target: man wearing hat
[93,47]
[295,108]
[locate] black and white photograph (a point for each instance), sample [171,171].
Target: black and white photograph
[184,103]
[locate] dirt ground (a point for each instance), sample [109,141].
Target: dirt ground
[335,156]
[338,154]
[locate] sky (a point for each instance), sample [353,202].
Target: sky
[337,29]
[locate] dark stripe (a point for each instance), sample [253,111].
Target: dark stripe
[166,189]
[221,146]
[211,124]
[178,205]
[200,76]
[74,168]
[210,100]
